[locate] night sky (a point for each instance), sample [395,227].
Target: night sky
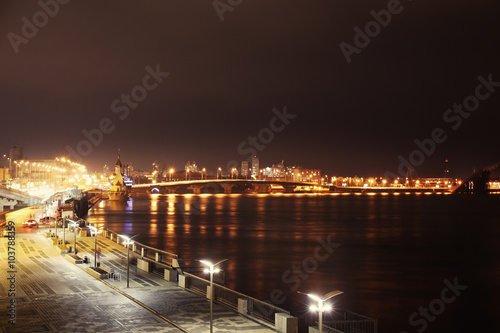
[226,77]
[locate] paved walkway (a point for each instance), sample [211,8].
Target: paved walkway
[54,295]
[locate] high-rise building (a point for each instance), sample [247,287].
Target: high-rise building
[255,167]
[244,169]
[16,154]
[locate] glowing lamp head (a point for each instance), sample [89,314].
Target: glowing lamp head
[315,297]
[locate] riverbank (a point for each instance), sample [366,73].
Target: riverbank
[49,293]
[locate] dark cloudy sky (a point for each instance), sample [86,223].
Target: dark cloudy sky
[227,76]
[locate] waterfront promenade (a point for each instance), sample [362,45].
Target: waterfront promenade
[54,295]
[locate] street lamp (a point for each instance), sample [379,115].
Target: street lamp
[202,172]
[211,269]
[321,307]
[171,174]
[93,232]
[64,230]
[128,242]
[74,224]
[219,171]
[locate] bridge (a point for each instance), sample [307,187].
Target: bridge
[11,198]
[220,186]
[478,183]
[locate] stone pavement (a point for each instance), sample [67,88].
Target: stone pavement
[54,295]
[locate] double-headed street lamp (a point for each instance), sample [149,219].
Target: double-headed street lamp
[93,232]
[322,307]
[211,269]
[128,241]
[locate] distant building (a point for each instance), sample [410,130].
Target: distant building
[255,167]
[305,175]
[129,168]
[16,154]
[106,170]
[276,172]
[244,169]
[191,167]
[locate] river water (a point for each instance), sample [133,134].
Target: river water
[392,255]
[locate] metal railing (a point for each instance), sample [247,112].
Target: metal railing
[351,323]
[148,252]
[230,298]
[227,297]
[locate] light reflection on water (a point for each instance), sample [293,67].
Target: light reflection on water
[395,249]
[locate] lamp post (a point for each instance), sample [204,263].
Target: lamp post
[203,172]
[55,224]
[128,242]
[64,231]
[74,224]
[322,307]
[211,269]
[3,164]
[219,171]
[94,231]
[171,174]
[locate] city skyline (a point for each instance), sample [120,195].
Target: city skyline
[252,167]
[227,167]
[353,89]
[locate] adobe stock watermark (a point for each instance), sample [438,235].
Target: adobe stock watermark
[453,117]
[11,271]
[372,29]
[30,28]
[264,137]
[120,106]
[294,276]
[222,6]
[425,315]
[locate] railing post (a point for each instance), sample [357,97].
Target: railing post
[243,305]
[286,323]
[183,281]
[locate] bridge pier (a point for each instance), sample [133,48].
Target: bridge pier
[261,188]
[196,188]
[289,188]
[7,202]
[172,189]
[227,188]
